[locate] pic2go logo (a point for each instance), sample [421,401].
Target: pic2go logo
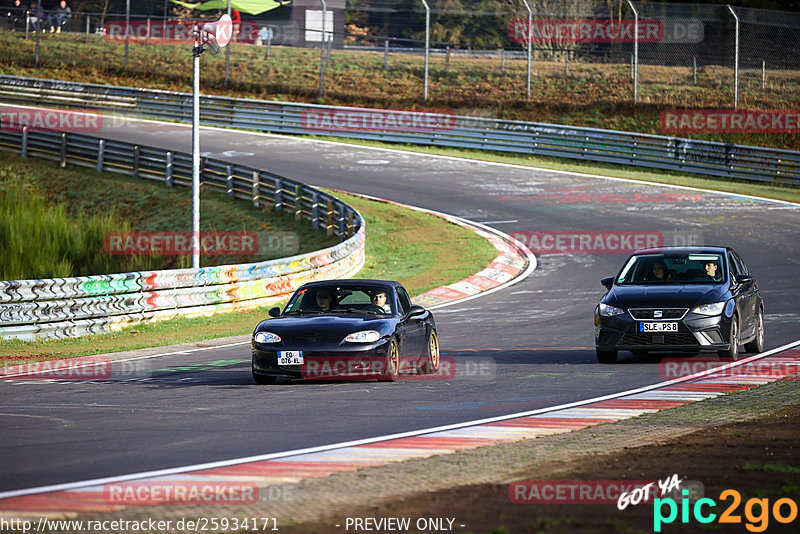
[756,511]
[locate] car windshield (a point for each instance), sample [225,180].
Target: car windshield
[364,300]
[672,268]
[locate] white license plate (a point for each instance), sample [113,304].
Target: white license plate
[290,357]
[658,327]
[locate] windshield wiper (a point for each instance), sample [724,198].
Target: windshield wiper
[301,312]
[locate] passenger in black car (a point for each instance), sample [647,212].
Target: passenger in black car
[658,272]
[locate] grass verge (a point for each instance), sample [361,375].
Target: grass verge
[420,250]
[592,95]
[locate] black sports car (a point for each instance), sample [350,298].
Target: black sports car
[680,299]
[346,329]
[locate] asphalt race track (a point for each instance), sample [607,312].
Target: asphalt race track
[525,347]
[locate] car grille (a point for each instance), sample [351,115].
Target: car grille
[670,338]
[666,313]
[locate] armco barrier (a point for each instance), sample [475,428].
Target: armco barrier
[63,307]
[587,144]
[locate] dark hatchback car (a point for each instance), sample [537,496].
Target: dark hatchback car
[680,299]
[346,329]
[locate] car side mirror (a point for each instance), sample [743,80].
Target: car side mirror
[743,278]
[274,312]
[608,282]
[415,311]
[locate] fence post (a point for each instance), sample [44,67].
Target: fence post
[39,15]
[350,223]
[298,202]
[24,148]
[530,48]
[502,61]
[101,150]
[386,53]
[229,181]
[269,41]
[763,74]
[447,60]
[278,194]
[168,170]
[127,32]
[255,189]
[64,149]
[635,53]
[566,64]
[88,18]
[736,62]
[329,222]
[694,70]
[315,210]
[135,173]
[427,44]
[342,222]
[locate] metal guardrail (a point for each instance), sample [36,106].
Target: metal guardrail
[586,144]
[66,307]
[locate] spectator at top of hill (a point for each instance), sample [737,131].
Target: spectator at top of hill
[58,16]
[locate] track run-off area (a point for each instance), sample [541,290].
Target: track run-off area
[524,348]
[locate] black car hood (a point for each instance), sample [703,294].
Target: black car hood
[326,325]
[667,296]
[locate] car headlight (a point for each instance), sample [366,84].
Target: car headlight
[710,309]
[610,311]
[365,336]
[266,337]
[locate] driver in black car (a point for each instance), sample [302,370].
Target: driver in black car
[324,299]
[710,270]
[379,299]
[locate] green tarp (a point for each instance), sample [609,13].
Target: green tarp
[251,7]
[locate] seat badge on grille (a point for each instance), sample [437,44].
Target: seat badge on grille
[657,314]
[312,340]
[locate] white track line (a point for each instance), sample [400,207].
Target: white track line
[322,448]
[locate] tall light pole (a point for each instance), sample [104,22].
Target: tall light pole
[736,62]
[322,50]
[530,47]
[215,35]
[427,43]
[635,53]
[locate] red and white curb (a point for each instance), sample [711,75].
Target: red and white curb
[514,262]
[91,496]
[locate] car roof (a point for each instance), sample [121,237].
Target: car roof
[684,250]
[351,282]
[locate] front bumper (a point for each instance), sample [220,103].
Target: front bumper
[367,361]
[695,333]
